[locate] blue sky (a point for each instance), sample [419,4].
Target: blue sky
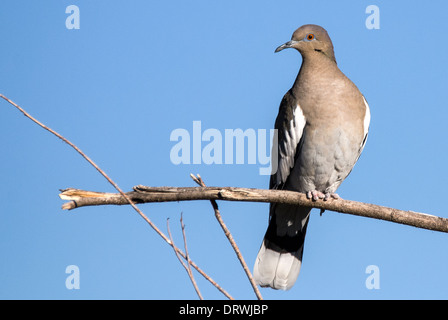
[135,71]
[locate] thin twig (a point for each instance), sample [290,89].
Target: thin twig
[229,236]
[122,194]
[187,268]
[182,225]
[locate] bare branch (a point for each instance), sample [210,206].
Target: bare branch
[187,255]
[143,194]
[229,236]
[123,196]
[187,268]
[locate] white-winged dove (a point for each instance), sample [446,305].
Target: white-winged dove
[322,127]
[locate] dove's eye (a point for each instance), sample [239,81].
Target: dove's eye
[310,37]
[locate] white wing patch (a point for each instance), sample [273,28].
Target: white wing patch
[366,125]
[288,147]
[366,122]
